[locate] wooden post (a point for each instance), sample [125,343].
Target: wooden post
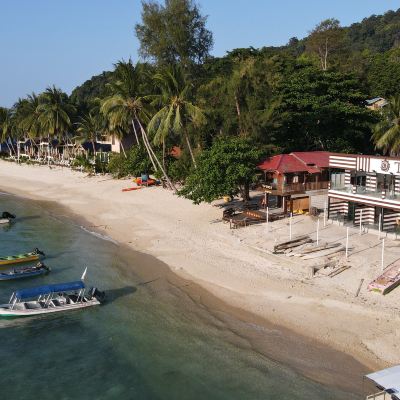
[265,200]
[347,243]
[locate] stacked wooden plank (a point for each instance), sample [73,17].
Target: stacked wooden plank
[292,244]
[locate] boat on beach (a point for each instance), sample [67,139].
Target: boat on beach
[388,280]
[25,272]
[48,299]
[34,255]
[6,217]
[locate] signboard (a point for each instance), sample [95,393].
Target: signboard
[384,166]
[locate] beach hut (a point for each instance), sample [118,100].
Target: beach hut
[388,382]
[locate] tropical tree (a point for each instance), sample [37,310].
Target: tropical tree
[6,128]
[126,109]
[173,33]
[227,168]
[177,114]
[55,114]
[386,134]
[27,117]
[88,128]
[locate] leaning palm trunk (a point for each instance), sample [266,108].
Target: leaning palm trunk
[171,185]
[136,135]
[145,145]
[190,149]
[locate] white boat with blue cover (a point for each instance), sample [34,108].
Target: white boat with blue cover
[50,299]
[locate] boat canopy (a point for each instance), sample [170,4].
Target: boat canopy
[388,379]
[58,287]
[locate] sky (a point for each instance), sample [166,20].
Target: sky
[65,42]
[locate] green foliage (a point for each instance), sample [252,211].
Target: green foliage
[324,110]
[173,33]
[387,132]
[383,74]
[135,163]
[227,168]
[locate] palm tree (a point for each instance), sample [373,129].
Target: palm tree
[126,110]
[387,132]
[177,112]
[88,128]
[27,116]
[54,114]
[6,128]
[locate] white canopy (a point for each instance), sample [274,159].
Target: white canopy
[388,378]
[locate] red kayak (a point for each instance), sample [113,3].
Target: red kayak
[132,188]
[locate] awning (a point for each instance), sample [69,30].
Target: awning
[58,287]
[388,379]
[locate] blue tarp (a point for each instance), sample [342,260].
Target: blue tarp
[58,287]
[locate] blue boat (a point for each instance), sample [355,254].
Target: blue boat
[26,272]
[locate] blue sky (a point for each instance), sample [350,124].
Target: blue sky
[65,42]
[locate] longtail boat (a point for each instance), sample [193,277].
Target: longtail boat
[25,272]
[34,255]
[50,299]
[388,280]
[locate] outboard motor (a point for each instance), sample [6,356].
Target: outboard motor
[37,251]
[94,292]
[8,215]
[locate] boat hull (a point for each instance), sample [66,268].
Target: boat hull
[22,275]
[4,221]
[16,260]
[8,313]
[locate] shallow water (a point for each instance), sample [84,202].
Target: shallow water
[149,341]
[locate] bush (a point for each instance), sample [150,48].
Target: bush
[135,163]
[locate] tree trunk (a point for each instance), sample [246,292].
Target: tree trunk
[172,186]
[123,149]
[145,145]
[94,150]
[163,153]
[136,135]
[190,149]
[245,191]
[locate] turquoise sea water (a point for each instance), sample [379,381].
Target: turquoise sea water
[151,340]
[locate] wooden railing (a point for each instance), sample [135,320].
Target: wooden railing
[298,187]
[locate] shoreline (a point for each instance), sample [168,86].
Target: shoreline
[276,303]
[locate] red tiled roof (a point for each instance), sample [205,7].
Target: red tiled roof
[307,161]
[319,158]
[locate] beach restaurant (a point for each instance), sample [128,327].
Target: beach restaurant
[299,180]
[365,189]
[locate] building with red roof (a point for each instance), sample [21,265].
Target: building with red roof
[299,179]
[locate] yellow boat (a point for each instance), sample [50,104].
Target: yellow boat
[22,258]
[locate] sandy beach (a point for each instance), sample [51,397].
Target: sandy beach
[233,265]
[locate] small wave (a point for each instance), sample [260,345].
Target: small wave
[99,235]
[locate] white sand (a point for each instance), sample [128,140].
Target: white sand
[194,242]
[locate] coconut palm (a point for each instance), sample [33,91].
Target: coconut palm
[27,117]
[177,114]
[387,132]
[6,128]
[88,128]
[126,110]
[54,114]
